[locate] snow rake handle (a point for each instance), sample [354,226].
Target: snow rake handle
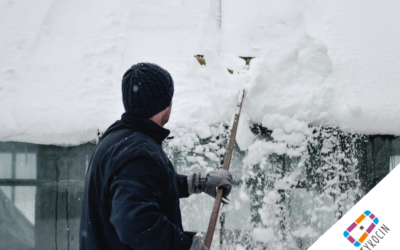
[227,161]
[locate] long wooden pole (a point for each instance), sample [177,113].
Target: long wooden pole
[227,161]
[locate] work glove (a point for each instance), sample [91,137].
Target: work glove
[198,244]
[210,183]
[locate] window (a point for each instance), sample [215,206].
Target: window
[17,198]
[40,195]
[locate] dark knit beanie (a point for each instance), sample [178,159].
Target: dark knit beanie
[147,89]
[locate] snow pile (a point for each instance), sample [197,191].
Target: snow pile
[289,138]
[319,61]
[61,63]
[244,137]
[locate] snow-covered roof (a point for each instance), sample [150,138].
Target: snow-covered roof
[333,62]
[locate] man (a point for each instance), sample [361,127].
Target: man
[131,196]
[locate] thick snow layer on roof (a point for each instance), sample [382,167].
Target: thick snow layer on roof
[61,62]
[333,62]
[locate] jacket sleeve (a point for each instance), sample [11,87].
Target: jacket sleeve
[181,181]
[135,210]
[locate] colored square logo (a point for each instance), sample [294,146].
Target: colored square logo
[361,228]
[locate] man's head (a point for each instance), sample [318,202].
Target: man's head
[147,91]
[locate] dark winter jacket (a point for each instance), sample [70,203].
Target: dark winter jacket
[131,197]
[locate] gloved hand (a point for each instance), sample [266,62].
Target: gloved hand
[210,183]
[198,244]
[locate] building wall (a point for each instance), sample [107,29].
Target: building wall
[42,211]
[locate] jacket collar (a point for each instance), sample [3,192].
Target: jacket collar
[145,126]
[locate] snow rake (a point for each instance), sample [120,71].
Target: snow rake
[227,161]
